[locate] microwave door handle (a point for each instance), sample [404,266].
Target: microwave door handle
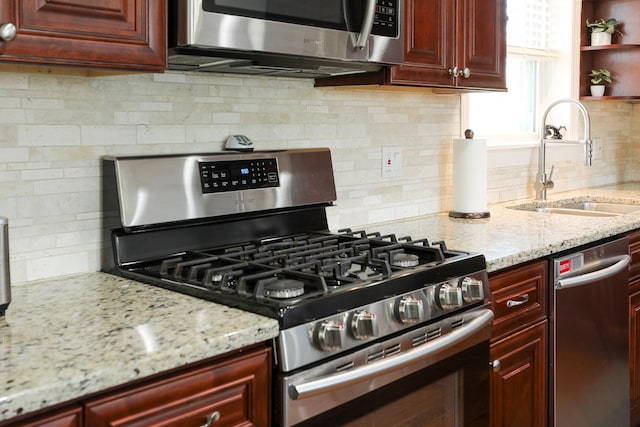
[367,24]
[474,330]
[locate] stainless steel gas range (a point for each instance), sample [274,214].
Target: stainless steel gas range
[370,324]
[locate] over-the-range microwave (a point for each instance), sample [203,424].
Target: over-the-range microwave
[295,38]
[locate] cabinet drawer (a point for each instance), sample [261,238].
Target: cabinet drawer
[236,390]
[71,417]
[518,297]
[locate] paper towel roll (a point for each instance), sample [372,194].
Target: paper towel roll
[469,178]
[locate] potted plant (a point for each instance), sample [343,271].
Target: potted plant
[598,79]
[602,30]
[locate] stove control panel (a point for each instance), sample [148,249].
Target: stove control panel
[354,327]
[235,175]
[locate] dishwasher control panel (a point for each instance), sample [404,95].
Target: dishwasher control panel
[570,263]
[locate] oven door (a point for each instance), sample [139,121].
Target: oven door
[404,381]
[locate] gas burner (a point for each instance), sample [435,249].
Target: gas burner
[282,288]
[405,260]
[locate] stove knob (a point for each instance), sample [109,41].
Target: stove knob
[364,325]
[472,289]
[449,297]
[330,335]
[409,309]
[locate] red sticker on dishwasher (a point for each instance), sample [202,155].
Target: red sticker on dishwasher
[565,266]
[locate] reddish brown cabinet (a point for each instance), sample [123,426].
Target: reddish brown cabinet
[232,391]
[457,44]
[519,348]
[68,417]
[122,34]
[634,326]
[621,58]
[519,384]
[634,347]
[454,43]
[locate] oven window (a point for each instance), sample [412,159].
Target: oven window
[317,13]
[452,393]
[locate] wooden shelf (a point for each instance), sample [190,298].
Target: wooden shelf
[611,98]
[609,47]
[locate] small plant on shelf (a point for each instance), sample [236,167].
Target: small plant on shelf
[598,79]
[602,26]
[599,76]
[601,31]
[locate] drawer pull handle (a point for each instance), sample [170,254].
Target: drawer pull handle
[495,365]
[212,418]
[523,299]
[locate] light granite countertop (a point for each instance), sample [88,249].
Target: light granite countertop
[72,336]
[511,236]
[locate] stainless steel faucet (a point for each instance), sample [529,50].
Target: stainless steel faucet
[542,181]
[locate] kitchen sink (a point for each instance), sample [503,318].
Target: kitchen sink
[582,208]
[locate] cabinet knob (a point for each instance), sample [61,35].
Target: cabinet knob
[457,72]
[8,31]
[212,418]
[495,365]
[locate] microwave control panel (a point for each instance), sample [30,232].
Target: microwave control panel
[385,22]
[235,175]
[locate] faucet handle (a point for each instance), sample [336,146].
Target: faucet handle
[550,173]
[548,184]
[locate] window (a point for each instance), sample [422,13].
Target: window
[540,56]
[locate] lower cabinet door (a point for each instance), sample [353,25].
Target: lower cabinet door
[519,379]
[231,393]
[634,353]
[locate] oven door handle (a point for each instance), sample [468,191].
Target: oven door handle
[474,331]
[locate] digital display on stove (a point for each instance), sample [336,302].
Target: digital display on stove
[234,175]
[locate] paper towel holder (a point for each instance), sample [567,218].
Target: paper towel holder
[468,134]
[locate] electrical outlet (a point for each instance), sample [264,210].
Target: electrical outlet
[596,149]
[391,162]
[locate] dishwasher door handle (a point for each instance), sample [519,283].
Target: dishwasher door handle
[594,276]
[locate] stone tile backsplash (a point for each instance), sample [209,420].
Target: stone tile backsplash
[56,125]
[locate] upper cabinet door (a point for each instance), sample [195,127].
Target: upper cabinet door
[123,34]
[429,43]
[482,45]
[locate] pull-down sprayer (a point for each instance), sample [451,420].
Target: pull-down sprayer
[542,181]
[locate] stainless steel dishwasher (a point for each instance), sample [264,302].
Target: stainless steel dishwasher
[590,337]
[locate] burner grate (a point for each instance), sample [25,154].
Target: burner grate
[311,264]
